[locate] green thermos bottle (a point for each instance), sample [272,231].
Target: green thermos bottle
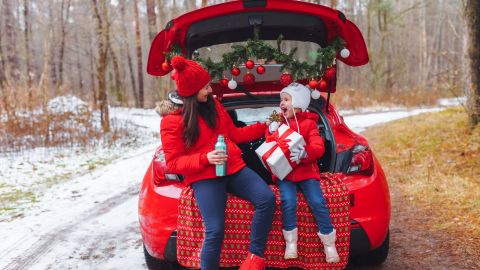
[221,169]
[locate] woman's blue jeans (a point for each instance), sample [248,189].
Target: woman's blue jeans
[314,196]
[211,197]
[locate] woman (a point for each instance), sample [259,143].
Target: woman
[188,138]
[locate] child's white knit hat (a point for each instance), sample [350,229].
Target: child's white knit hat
[300,95]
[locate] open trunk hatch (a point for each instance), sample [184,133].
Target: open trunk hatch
[234,21]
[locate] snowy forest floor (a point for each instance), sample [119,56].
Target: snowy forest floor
[88,220]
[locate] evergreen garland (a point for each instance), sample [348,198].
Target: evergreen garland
[259,49]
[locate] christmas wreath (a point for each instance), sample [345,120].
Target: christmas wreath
[242,54]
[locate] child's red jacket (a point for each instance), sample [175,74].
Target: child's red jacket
[315,148]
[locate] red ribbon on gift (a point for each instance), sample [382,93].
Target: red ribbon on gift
[281,141]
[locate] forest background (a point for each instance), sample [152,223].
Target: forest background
[97,50]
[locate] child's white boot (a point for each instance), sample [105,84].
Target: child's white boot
[291,238]
[328,241]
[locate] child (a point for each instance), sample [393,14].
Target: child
[294,100]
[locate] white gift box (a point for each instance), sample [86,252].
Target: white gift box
[278,160]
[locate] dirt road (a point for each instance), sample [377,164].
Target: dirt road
[413,246]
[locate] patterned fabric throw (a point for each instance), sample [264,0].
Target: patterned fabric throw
[239,214]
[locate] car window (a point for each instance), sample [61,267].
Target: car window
[250,115]
[306,50]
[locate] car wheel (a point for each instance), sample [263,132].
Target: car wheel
[376,256]
[157,264]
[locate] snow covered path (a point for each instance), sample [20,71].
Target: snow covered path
[90,222]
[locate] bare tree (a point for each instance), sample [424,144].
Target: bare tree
[138,44]
[102,36]
[152,20]
[3,78]
[63,22]
[127,53]
[92,77]
[27,33]
[472,10]
[118,89]
[11,40]
[52,26]
[78,65]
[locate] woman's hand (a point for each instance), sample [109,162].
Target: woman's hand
[216,157]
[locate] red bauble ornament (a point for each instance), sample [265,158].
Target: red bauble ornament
[166,67]
[260,69]
[248,79]
[322,85]
[330,73]
[224,82]
[250,64]
[312,84]
[286,79]
[235,71]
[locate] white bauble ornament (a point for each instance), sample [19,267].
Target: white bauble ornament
[315,94]
[232,84]
[345,53]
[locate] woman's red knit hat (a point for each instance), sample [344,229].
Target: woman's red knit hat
[190,77]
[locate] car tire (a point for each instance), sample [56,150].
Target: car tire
[376,256]
[157,264]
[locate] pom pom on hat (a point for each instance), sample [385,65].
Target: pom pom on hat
[179,63]
[189,77]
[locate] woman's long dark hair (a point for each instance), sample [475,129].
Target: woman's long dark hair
[191,110]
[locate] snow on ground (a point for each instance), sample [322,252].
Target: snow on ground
[90,221]
[360,122]
[441,103]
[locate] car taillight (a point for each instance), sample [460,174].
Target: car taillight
[159,170]
[362,160]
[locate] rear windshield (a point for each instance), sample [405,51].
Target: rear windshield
[253,115]
[306,50]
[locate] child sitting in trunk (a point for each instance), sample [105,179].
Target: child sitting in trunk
[294,101]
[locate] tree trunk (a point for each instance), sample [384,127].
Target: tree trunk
[129,58]
[27,31]
[152,20]
[11,40]
[119,92]
[472,11]
[63,22]
[53,47]
[3,77]
[79,67]
[92,78]
[102,63]
[138,43]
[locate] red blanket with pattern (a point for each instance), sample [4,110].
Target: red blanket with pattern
[239,214]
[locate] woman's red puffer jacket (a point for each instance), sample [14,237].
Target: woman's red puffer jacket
[315,147]
[192,163]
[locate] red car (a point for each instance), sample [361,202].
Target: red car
[347,153]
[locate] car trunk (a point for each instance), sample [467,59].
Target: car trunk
[326,163]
